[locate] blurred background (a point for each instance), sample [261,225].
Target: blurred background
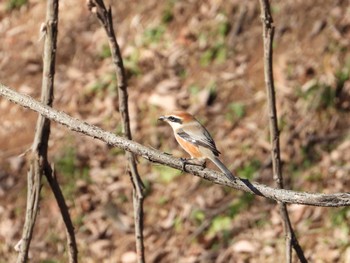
[205,57]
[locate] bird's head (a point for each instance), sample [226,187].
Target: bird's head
[177,119]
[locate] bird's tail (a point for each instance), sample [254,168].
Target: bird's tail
[223,168]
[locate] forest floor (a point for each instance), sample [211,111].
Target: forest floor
[205,57]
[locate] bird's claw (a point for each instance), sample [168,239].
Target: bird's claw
[185,161]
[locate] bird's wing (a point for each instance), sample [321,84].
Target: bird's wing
[198,135]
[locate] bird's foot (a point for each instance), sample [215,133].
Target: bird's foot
[192,161]
[184,161]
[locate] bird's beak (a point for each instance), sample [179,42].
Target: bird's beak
[162,118]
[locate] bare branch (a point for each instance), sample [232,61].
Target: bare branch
[280,195]
[39,164]
[268,33]
[105,18]
[33,195]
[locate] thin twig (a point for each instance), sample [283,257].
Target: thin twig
[55,187]
[105,18]
[268,33]
[152,155]
[39,163]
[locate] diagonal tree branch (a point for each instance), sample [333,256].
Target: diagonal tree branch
[105,18]
[280,195]
[268,33]
[55,187]
[39,162]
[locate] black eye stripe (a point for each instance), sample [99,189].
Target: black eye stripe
[175,119]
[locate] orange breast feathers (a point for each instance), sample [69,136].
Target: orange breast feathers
[190,148]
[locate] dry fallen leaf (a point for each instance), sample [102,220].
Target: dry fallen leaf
[168,85]
[167,102]
[129,257]
[244,246]
[100,248]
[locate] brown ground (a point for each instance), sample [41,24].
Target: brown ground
[206,57]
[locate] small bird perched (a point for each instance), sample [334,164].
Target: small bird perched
[195,139]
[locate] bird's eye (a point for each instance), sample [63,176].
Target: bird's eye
[174,119]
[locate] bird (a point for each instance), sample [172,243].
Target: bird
[194,138]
